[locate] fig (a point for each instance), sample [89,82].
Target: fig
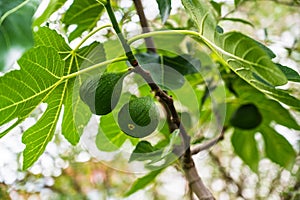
[139,118]
[102,93]
[246,117]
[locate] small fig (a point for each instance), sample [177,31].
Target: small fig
[246,117]
[102,94]
[139,117]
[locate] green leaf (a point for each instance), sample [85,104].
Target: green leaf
[274,111]
[246,57]
[163,151]
[144,151]
[162,74]
[245,147]
[203,15]
[39,135]
[164,9]
[84,14]
[15,28]
[165,44]
[53,6]
[277,148]
[270,109]
[76,113]
[23,90]
[290,74]
[50,38]
[237,2]
[217,7]
[278,94]
[184,64]
[144,181]
[110,137]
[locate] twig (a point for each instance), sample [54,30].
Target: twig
[226,176]
[200,147]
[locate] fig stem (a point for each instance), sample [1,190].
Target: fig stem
[120,35]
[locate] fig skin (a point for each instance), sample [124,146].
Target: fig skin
[102,94]
[139,118]
[246,117]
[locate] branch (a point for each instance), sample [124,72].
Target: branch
[200,147]
[226,175]
[167,101]
[195,182]
[144,24]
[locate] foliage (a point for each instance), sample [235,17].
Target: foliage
[55,73]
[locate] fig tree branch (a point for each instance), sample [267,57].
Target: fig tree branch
[201,147]
[188,164]
[144,24]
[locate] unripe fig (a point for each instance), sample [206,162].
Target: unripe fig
[139,117]
[247,116]
[102,94]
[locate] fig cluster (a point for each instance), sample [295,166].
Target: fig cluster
[137,118]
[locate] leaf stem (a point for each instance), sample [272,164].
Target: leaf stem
[69,76]
[89,35]
[216,49]
[11,11]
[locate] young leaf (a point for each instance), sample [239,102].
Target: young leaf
[164,9]
[53,6]
[84,14]
[15,28]
[277,148]
[245,147]
[142,182]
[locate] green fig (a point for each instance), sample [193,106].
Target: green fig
[139,118]
[102,94]
[246,117]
